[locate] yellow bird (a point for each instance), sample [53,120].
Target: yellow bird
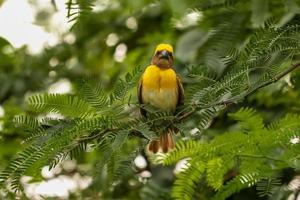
[160,87]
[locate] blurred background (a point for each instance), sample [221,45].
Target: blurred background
[43,48]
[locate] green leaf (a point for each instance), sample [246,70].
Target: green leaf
[249,119]
[267,186]
[186,181]
[215,173]
[65,104]
[260,13]
[120,139]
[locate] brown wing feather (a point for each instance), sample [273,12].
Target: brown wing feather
[140,98]
[180,101]
[139,90]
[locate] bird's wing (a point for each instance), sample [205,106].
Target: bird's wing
[180,92]
[139,93]
[139,90]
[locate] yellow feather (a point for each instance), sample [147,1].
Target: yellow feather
[160,87]
[161,47]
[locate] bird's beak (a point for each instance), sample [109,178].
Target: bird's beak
[164,54]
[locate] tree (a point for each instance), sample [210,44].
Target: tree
[229,55]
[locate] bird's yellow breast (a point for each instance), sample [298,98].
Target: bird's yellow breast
[159,87]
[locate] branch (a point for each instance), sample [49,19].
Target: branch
[260,156]
[185,115]
[194,106]
[228,102]
[276,78]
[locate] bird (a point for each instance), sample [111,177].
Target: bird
[161,87]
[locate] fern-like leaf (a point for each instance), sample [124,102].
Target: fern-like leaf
[65,104]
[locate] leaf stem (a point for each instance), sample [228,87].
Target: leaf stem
[227,102]
[260,156]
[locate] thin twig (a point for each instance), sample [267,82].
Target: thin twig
[276,78]
[260,156]
[185,115]
[194,107]
[227,102]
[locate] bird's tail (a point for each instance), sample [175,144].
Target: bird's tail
[165,143]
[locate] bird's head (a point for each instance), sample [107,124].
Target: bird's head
[163,56]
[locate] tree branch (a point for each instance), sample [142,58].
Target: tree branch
[273,80]
[194,107]
[260,156]
[227,102]
[276,78]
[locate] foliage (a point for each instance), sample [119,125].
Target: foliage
[100,118]
[246,152]
[230,50]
